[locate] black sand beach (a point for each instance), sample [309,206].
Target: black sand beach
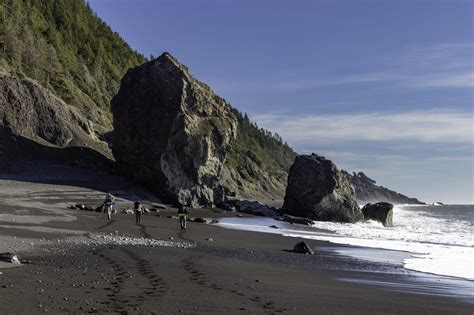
[78,262]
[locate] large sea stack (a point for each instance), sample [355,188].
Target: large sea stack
[319,191]
[172,132]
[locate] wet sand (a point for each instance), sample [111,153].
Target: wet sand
[78,262]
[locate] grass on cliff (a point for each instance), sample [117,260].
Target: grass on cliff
[65,47]
[265,149]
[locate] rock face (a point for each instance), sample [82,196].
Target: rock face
[318,190]
[367,191]
[35,124]
[172,132]
[381,211]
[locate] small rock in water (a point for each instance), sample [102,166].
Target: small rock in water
[210,239]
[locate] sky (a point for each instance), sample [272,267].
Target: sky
[385,87]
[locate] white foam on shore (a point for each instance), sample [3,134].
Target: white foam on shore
[438,246]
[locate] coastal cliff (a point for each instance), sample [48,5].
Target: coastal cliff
[367,191]
[57,77]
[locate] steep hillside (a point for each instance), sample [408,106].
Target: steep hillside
[367,191]
[68,50]
[258,164]
[36,124]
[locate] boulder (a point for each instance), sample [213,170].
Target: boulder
[303,248]
[295,220]
[250,207]
[99,208]
[80,206]
[10,258]
[318,190]
[381,211]
[127,211]
[172,132]
[227,206]
[198,220]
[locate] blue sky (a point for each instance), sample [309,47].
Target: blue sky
[384,87]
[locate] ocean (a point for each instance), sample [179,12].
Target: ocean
[436,239]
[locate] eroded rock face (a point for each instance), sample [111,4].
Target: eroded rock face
[319,191]
[172,132]
[34,124]
[28,110]
[381,211]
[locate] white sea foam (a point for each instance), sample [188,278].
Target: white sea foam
[440,244]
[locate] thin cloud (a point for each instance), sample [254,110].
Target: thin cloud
[465,79]
[448,65]
[416,126]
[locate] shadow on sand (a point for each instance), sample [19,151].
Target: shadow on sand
[24,160]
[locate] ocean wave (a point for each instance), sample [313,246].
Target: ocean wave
[437,239]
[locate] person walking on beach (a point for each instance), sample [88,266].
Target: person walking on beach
[183,216]
[109,205]
[138,211]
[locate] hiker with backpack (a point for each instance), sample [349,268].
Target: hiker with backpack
[183,216]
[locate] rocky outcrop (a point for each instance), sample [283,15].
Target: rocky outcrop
[35,124]
[381,211]
[319,191]
[295,220]
[172,132]
[367,191]
[249,207]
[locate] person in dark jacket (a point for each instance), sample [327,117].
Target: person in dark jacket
[183,216]
[137,207]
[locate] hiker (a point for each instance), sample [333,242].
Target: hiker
[183,216]
[109,205]
[138,211]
